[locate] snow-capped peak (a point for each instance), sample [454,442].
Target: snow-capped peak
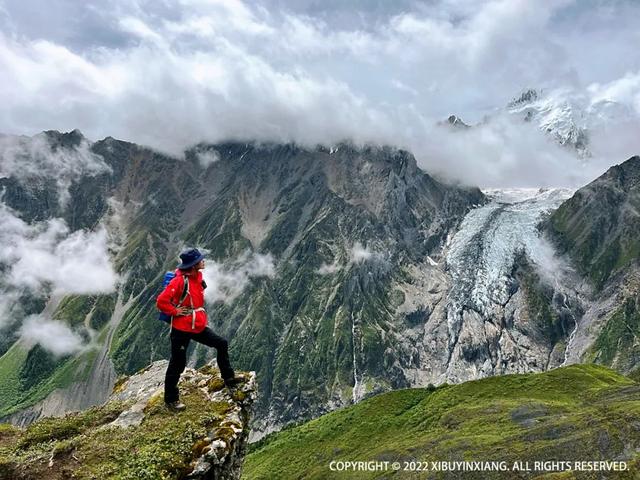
[559,113]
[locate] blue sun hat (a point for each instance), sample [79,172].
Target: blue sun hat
[190,258]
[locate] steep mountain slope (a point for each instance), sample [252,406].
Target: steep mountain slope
[599,229]
[341,225]
[336,273]
[570,414]
[323,331]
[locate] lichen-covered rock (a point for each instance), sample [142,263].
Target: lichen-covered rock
[134,436]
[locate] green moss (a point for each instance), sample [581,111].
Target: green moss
[215,384]
[119,384]
[54,429]
[161,447]
[239,396]
[562,412]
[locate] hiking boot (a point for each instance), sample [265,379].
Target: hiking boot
[232,382]
[176,406]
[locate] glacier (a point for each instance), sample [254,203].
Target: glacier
[484,313]
[481,254]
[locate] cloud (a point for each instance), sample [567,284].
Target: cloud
[26,158]
[48,254]
[357,253]
[46,258]
[329,269]
[505,151]
[556,271]
[8,305]
[625,90]
[360,254]
[52,335]
[226,281]
[404,88]
[171,74]
[207,157]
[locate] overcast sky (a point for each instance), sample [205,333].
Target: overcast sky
[172,73]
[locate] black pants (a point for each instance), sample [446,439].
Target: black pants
[179,343]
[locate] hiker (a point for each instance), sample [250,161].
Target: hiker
[189,322]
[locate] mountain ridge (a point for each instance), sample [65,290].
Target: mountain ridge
[144,192]
[333,273]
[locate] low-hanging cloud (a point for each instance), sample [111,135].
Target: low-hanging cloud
[504,151]
[171,74]
[357,254]
[225,281]
[46,258]
[53,335]
[46,254]
[207,157]
[29,158]
[360,254]
[329,268]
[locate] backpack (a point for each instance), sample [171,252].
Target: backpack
[168,276]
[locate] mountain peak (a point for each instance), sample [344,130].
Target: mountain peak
[528,95]
[64,139]
[457,122]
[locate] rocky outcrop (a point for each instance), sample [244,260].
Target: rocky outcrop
[133,435]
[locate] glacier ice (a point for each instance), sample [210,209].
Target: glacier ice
[481,255]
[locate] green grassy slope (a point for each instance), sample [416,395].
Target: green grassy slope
[581,412]
[22,386]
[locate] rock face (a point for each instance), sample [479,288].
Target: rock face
[599,229]
[133,435]
[491,304]
[375,275]
[343,225]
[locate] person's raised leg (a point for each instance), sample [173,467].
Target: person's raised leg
[211,339]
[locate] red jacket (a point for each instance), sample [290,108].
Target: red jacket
[170,296]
